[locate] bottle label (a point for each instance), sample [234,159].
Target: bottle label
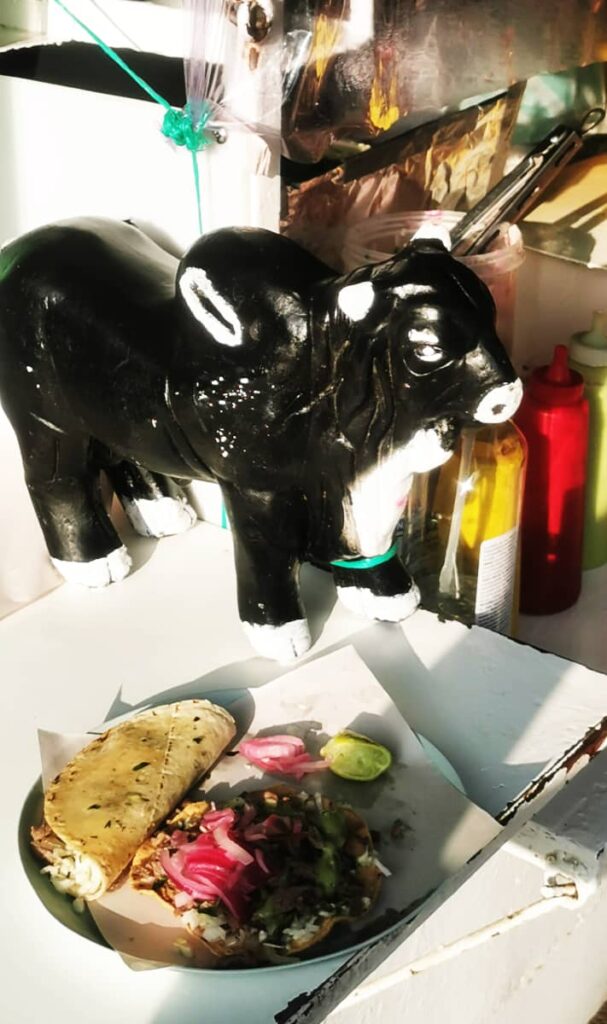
[495,583]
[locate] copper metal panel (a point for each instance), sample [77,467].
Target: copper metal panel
[362,66]
[451,164]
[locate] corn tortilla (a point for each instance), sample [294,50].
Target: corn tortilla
[117,790]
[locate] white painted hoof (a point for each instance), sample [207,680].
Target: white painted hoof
[363,602]
[280,643]
[159,517]
[98,573]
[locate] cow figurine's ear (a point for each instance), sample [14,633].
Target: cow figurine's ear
[355,300]
[210,308]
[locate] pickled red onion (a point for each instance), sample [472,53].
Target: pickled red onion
[274,746]
[261,860]
[309,766]
[222,819]
[202,888]
[231,848]
[281,755]
[213,866]
[179,837]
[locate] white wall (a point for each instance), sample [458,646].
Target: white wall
[68,153]
[556,298]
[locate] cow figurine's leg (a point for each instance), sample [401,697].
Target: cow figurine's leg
[64,484]
[153,503]
[266,552]
[377,588]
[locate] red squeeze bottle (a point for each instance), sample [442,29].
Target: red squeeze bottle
[553,416]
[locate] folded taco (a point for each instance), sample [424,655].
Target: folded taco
[116,791]
[266,875]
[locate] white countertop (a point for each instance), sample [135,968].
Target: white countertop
[74,657]
[579,633]
[70,660]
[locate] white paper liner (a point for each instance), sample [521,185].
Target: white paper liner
[427,828]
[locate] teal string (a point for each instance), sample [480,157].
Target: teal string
[116,58]
[183,130]
[197,190]
[367,563]
[177,125]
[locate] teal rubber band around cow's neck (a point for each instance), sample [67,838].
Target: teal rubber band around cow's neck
[367,563]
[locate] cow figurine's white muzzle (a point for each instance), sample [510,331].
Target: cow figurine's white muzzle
[500,403]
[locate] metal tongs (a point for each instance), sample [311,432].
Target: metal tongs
[515,194]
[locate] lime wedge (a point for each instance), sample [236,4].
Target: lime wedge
[352,756]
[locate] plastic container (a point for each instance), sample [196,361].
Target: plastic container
[377,238]
[553,416]
[588,356]
[461,529]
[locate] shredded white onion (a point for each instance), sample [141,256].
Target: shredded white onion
[367,859]
[211,927]
[301,930]
[75,874]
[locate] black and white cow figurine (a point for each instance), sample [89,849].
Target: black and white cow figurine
[310,398]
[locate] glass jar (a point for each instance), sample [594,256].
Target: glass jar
[460,538]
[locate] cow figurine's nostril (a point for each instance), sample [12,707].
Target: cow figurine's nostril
[500,403]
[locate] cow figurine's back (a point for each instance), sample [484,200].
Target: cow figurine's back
[310,398]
